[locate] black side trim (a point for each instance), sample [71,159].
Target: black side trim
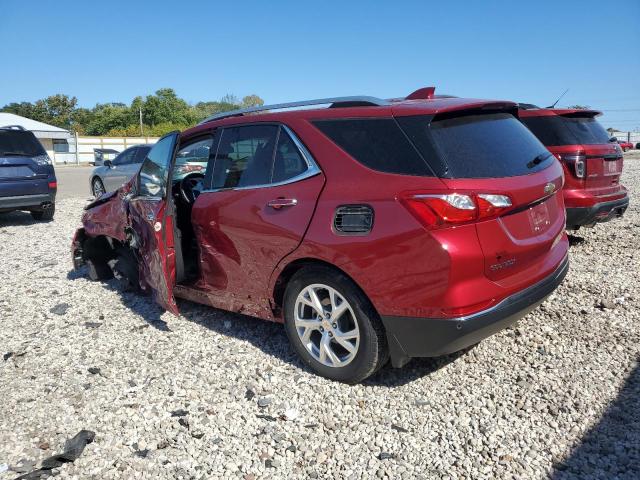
[431,337]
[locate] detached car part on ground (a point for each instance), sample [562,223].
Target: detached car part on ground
[364,227]
[27,178]
[592,162]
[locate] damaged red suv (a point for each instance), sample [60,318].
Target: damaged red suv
[592,162]
[373,229]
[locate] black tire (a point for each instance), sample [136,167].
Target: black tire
[98,270]
[125,270]
[96,184]
[45,215]
[372,353]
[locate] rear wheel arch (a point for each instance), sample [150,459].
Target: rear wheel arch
[292,268]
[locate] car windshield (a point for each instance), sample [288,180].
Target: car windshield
[557,130]
[19,142]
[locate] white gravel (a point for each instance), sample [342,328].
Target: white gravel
[557,396]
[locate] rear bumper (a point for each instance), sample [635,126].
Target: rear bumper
[431,337]
[27,202]
[600,212]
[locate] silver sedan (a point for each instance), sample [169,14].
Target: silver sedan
[114,173]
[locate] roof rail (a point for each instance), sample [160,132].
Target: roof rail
[335,102]
[12,127]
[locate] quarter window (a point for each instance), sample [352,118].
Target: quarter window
[376,143]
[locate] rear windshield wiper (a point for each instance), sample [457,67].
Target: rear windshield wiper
[14,154]
[538,160]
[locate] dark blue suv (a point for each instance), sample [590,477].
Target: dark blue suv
[27,179]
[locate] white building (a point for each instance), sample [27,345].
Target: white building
[55,140]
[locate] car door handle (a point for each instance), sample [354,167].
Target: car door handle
[279,203]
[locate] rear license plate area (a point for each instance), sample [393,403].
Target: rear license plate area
[612,167]
[539,218]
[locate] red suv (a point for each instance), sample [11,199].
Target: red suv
[372,228]
[624,145]
[591,161]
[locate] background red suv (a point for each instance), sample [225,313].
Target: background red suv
[592,163]
[624,145]
[373,228]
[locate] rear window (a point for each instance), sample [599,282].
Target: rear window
[561,130]
[377,143]
[19,143]
[477,145]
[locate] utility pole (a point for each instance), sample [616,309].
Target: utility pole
[141,127]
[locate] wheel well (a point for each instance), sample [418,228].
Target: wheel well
[290,270]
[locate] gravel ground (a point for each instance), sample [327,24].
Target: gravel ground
[218,395]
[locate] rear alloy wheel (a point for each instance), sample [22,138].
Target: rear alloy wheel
[45,215]
[333,326]
[97,187]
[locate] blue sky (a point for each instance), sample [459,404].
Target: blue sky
[289,50]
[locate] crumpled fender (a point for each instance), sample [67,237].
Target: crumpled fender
[108,215]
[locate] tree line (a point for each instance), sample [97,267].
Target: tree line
[161,113]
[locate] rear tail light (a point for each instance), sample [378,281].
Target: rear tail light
[442,210]
[576,163]
[53,185]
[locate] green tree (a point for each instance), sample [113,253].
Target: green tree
[252,101]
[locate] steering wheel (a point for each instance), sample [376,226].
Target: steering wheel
[191,186]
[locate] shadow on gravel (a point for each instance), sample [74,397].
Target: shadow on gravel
[269,337]
[417,368]
[143,305]
[13,219]
[611,449]
[574,239]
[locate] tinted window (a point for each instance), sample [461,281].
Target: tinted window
[479,146]
[288,161]
[245,156]
[376,143]
[21,143]
[563,130]
[126,157]
[155,169]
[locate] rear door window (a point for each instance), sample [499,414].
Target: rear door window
[377,143]
[245,156]
[483,145]
[125,158]
[554,130]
